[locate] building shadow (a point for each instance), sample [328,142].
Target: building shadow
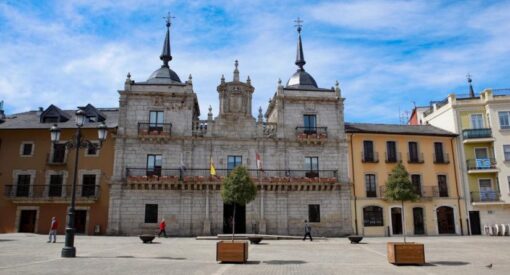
[447,263]
[283,262]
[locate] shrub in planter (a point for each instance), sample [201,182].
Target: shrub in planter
[237,189]
[400,188]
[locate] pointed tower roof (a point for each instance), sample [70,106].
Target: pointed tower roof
[165,75]
[471,91]
[301,79]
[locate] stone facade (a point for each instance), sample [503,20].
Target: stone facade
[181,186]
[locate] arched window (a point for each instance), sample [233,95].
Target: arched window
[373,216]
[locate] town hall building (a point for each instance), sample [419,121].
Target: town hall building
[295,151]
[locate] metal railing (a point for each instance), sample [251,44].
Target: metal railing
[423,192]
[392,158]
[156,129]
[477,133]
[369,157]
[418,158]
[481,164]
[441,159]
[501,92]
[314,132]
[485,196]
[144,174]
[51,192]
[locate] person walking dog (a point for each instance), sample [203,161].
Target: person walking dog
[162,228]
[53,229]
[308,231]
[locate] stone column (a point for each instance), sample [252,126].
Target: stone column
[262,222]
[207,221]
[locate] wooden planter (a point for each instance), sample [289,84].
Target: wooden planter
[232,252]
[406,253]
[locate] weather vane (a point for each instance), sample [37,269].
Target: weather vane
[168,19]
[469,77]
[298,24]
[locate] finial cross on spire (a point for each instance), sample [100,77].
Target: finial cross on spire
[469,78]
[168,19]
[298,24]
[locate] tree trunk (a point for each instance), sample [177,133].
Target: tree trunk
[234,223]
[403,222]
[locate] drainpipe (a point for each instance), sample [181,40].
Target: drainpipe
[354,187]
[457,186]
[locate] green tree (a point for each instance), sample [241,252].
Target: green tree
[400,188]
[238,188]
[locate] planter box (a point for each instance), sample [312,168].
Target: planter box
[355,239]
[146,238]
[255,240]
[232,252]
[406,253]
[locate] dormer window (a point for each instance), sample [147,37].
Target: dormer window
[53,114]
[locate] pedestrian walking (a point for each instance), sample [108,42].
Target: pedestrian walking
[308,231]
[162,228]
[53,230]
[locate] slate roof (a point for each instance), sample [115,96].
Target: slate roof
[31,120]
[423,130]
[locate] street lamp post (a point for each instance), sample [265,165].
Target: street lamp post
[69,251]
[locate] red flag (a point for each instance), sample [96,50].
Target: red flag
[259,161]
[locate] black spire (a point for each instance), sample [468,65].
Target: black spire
[166,56]
[300,57]
[471,91]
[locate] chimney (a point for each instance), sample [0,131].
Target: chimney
[39,111]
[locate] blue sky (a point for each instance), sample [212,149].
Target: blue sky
[385,54]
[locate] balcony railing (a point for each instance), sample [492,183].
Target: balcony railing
[442,158]
[424,192]
[369,157]
[418,158]
[203,174]
[154,129]
[477,133]
[51,192]
[392,158]
[485,196]
[481,164]
[313,133]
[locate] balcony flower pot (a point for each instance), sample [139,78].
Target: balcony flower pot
[406,253]
[232,251]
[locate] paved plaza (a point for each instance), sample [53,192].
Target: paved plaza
[30,254]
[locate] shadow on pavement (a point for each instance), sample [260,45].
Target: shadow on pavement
[132,257]
[278,262]
[1,240]
[447,263]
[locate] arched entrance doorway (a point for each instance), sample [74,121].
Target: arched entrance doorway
[240,218]
[445,220]
[396,221]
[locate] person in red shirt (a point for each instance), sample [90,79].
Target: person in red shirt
[53,229]
[162,228]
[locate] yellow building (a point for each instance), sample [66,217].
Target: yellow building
[483,124]
[36,176]
[428,153]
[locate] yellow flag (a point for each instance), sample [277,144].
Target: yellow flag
[212,169]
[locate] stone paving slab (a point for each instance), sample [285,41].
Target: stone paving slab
[30,254]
